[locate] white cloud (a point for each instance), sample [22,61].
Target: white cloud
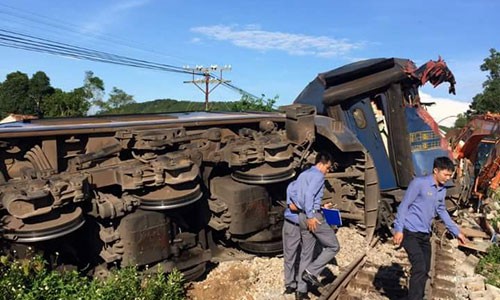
[445,110]
[195,40]
[253,37]
[110,15]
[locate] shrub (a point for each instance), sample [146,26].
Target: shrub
[31,280]
[488,266]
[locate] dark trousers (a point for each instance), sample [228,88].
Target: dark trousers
[418,247]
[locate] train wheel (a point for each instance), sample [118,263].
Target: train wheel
[169,198]
[266,248]
[194,272]
[264,174]
[55,224]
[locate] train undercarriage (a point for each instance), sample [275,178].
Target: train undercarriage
[103,192]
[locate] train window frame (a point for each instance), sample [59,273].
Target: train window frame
[359,118]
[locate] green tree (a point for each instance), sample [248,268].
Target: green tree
[94,88]
[63,104]
[14,95]
[248,103]
[489,99]
[461,120]
[77,102]
[39,89]
[117,99]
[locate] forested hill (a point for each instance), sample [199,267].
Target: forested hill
[20,94]
[170,105]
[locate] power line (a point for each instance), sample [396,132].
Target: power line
[12,39]
[60,25]
[29,42]
[208,78]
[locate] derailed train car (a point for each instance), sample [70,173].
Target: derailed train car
[378,102]
[155,189]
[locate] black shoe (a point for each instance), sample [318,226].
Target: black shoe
[311,279]
[301,296]
[289,290]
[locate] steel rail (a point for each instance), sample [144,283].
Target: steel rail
[333,290]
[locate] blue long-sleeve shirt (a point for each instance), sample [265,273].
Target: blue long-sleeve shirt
[291,197]
[309,188]
[423,200]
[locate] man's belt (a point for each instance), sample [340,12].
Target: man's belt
[294,211]
[301,211]
[291,222]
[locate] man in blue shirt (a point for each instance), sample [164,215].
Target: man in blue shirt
[313,227]
[423,200]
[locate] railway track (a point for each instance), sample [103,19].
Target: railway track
[346,277]
[442,285]
[378,271]
[382,272]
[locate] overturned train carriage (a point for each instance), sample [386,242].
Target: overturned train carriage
[155,189]
[145,190]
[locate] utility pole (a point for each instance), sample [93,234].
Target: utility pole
[207,79]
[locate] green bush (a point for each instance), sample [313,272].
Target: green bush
[488,266]
[249,103]
[30,280]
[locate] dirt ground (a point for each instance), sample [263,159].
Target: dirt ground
[241,276]
[233,283]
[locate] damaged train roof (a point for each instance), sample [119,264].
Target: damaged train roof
[359,78]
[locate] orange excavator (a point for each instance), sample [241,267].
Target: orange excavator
[489,175]
[477,149]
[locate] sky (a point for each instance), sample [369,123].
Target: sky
[274,48]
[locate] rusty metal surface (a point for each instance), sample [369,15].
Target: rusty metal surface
[156,180]
[145,238]
[85,125]
[247,205]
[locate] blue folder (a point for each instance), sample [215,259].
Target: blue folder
[332,216]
